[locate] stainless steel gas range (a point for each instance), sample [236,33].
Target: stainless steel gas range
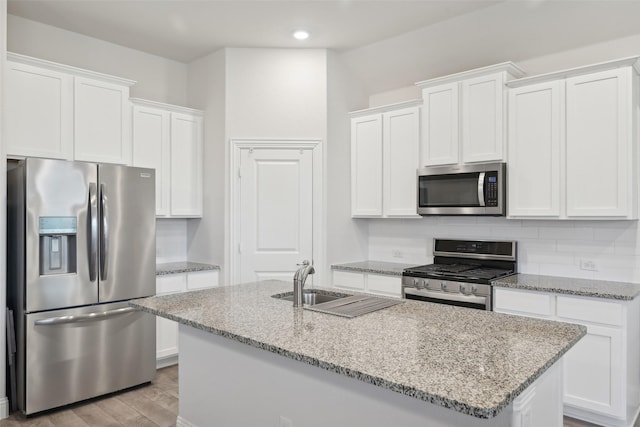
[461,272]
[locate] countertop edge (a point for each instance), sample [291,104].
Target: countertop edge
[477,412]
[184,267]
[578,293]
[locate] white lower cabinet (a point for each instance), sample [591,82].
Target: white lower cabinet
[167,330]
[380,284]
[601,372]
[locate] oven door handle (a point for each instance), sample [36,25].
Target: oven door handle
[447,296]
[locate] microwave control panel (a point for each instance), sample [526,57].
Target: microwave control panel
[491,188]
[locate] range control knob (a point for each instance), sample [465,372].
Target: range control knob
[416,283]
[443,285]
[474,289]
[462,288]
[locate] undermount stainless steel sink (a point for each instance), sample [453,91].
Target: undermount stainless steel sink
[312,297]
[337,304]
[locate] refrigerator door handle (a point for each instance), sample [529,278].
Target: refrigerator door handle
[93,230]
[104,235]
[89,317]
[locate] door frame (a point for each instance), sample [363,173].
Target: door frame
[232,232]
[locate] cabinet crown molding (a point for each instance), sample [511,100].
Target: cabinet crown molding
[162,105]
[385,108]
[632,61]
[508,67]
[79,72]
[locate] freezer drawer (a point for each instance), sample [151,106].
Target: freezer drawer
[76,354]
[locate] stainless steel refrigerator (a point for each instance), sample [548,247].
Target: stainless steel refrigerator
[81,242]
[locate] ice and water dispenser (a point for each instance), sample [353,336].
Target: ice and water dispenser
[58,244]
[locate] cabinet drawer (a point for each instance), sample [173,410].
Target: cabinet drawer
[533,303]
[202,279]
[590,310]
[384,285]
[167,284]
[344,279]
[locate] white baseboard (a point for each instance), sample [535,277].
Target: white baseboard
[4,407]
[166,361]
[181,422]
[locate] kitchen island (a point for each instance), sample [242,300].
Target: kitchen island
[247,358]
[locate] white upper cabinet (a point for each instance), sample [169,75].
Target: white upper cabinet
[64,112]
[572,141]
[384,159]
[600,144]
[440,125]
[169,139]
[464,116]
[534,162]
[366,165]
[186,165]
[39,96]
[102,121]
[151,149]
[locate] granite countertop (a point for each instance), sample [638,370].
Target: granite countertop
[183,267]
[471,361]
[379,267]
[571,286]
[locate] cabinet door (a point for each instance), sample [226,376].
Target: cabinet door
[366,166]
[593,372]
[401,141]
[202,280]
[102,122]
[186,165]
[599,153]
[440,123]
[39,112]
[348,280]
[535,143]
[384,285]
[151,150]
[483,118]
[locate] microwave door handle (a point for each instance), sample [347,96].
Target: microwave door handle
[481,189]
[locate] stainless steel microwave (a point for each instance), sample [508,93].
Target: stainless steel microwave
[474,189]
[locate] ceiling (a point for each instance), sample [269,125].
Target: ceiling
[185,30]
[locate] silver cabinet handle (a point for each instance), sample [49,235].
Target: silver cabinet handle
[446,296]
[104,235]
[89,317]
[481,189]
[93,230]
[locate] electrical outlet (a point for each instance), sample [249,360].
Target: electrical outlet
[588,264]
[285,422]
[396,254]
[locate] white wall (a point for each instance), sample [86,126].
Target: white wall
[206,91]
[346,239]
[159,79]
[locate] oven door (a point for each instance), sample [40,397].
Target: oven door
[462,190]
[470,301]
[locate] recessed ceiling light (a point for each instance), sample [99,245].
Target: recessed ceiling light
[301,35]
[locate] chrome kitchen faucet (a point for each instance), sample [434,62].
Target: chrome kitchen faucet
[298,281]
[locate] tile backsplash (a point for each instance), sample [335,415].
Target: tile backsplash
[606,250]
[171,240]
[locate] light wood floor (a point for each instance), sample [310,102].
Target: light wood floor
[149,406]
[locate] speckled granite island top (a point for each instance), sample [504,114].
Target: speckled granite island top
[471,361]
[379,267]
[571,286]
[183,267]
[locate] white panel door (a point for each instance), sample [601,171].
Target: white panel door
[186,165]
[151,149]
[482,118]
[535,143]
[440,121]
[276,215]
[39,112]
[401,142]
[599,153]
[102,122]
[366,166]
